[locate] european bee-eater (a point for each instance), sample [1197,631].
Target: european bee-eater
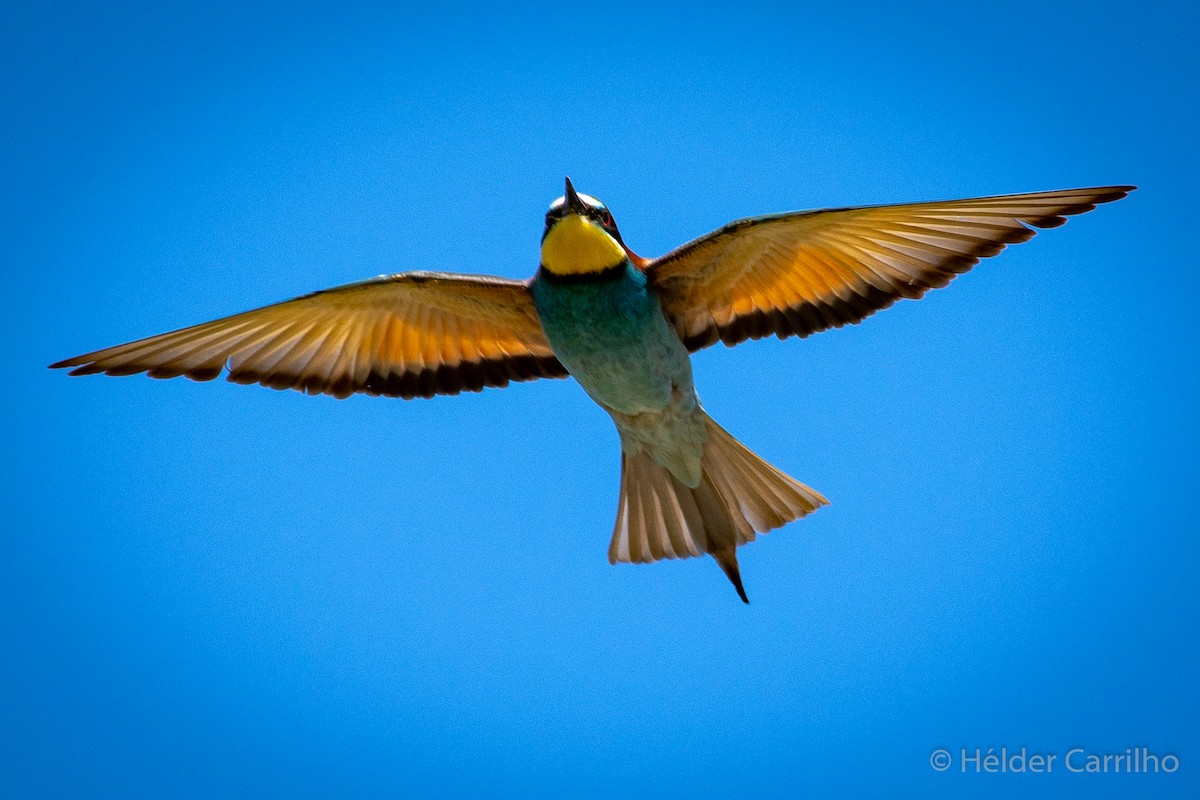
[623,326]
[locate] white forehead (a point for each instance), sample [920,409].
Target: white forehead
[587,199]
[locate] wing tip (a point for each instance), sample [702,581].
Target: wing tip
[1088,202]
[68,362]
[85,365]
[1114,193]
[1121,190]
[1104,194]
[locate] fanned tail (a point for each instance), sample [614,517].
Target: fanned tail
[738,497]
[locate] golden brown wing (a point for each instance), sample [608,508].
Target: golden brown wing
[798,273]
[415,334]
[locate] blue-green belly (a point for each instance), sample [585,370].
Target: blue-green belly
[610,333]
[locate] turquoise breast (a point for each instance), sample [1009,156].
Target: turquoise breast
[609,331]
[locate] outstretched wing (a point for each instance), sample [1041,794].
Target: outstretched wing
[798,273]
[415,334]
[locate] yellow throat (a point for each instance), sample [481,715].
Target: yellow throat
[578,246]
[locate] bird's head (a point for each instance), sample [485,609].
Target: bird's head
[581,237]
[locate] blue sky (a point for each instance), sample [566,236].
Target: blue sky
[214,590]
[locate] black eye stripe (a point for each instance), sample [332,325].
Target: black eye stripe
[594,210]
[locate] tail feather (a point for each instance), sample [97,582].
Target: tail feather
[739,496]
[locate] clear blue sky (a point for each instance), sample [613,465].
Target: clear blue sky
[212,590]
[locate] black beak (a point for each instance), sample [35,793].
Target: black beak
[573,202]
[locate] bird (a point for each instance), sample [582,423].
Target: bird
[624,327]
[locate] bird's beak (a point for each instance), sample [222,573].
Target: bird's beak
[573,203]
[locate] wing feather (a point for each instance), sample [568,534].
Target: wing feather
[415,334]
[798,273]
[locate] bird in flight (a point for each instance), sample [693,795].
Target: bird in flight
[624,327]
